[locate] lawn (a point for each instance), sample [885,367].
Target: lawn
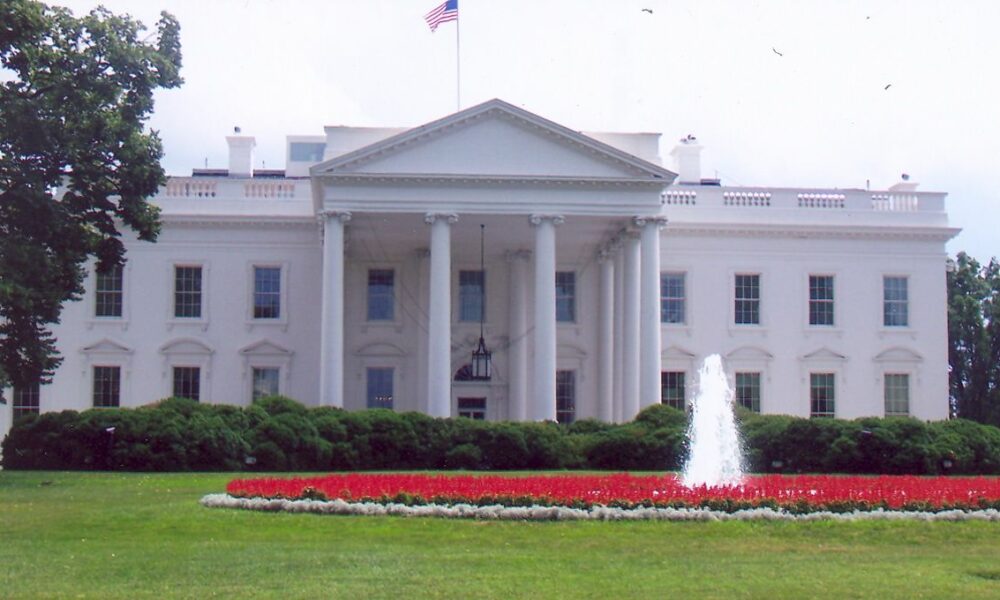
[112,535]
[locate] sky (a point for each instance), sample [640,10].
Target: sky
[780,93]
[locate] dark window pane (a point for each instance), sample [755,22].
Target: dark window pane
[672,388]
[109,292]
[566,296]
[265,382]
[187,382]
[821,394]
[267,292]
[471,295]
[672,298]
[748,391]
[747,294]
[379,391]
[565,396]
[107,387]
[821,300]
[381,294]
[187,292]
[26,400]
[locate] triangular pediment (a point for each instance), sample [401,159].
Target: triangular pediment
[494,139]
[380,349]
[898,355]
[106,346]
[677,353]
[185,346]
[749,353]
[264,348]
[824,354]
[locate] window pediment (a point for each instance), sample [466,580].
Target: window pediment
[380,349]
[264,348]
[898,354]
[106,346]
[186,346]
[824,355]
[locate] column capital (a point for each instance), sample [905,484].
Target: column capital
[555,219]
[343,215]
[514,255]
[656,221]
[431,217]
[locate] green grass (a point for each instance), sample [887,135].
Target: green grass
[110,535]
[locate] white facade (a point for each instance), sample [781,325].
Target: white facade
[362,242]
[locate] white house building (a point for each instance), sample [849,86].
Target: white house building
[353,279]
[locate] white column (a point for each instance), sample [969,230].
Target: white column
[619,326]
[605,337]
[331,352]
[542,406]
[649,319]
[630,327]
[439,316]
[517,352]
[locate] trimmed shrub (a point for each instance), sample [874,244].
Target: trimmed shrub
[278,433]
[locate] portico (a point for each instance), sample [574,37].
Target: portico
[558,207]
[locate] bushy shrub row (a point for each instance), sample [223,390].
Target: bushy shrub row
[279,434]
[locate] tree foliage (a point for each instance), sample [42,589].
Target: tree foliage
[974,339]
[75,161]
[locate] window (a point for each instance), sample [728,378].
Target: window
[565,296]
[747,300]
[821,394]
[187,292]
[108,301]
[672,298]
[381,294]
[748,391]
[895,304]
[897,394]
[672,389]
[306,151]
[565,396]
[821,300]
[472,408]
[267,292]
[471,295]
[187,383]
[26,400]
[265,382]
[379,387]
[107,387]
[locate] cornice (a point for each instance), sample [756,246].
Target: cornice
[239,221]
[487,180]
[935,234]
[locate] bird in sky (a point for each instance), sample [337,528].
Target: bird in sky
[649,10]
[887,86]
[776,52]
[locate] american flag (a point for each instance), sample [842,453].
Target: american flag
[448,11]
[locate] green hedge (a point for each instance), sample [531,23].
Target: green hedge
[279,434]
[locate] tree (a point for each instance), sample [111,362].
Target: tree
[75,161]
[974,339]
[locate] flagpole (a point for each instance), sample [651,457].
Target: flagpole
[458,67]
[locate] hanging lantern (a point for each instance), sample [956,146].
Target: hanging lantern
[481,357]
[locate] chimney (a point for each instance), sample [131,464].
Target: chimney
[687,160]
[241,154]
[904,185]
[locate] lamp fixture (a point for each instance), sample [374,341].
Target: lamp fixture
[481,357]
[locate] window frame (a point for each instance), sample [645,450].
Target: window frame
[26,401]
[907,389]
[369,271]
[887,302]
[814,401]
[187,370]
[461,314]
[172,319]
[681,375]
[117,395]
[369,404]
[569,299]
[666,299]
[254,369]
[735,299]
[476,413]
[830,302]
[566,395]
[119,293]
[255,293]
[754,402]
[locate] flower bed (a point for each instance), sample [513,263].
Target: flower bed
[796,495]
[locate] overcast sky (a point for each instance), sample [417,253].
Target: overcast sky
[797,93]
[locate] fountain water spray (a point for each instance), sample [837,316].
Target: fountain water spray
[716,456]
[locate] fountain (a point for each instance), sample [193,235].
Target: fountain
[716,454]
